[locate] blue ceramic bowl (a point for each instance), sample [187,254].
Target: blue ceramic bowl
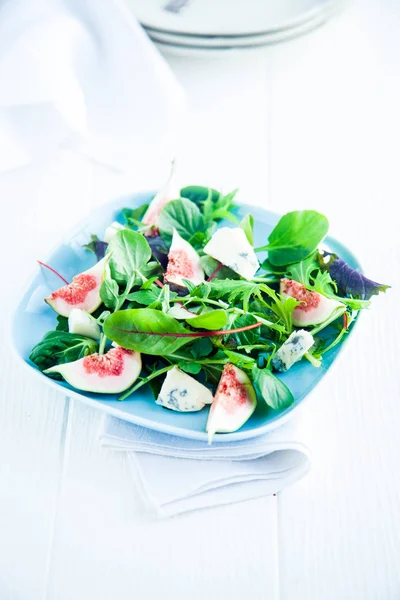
[33,318]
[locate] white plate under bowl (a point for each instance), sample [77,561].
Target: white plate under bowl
[222,42]
[224,17]
[215,51]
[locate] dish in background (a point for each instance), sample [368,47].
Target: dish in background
[224,17]
[213,49]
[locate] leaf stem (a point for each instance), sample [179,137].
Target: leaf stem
[215,272]
[266,280]
[145,380]
[103,341]
[192,334]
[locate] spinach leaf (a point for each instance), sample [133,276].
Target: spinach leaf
[182,215]
[130,253]
[190,367]
[201,347]
[97,247]
[58,347]
[145,297]
[295,237]
[248,337]
[212,320]
[275,393]
[109,293]
[247,224]
[62,323]
[350,281]
[146,330]
[199,194]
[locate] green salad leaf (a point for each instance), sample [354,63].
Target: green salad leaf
[146,330]
[275,393]
[182,215]
[212,320]
[58,347]
[130,253]
[296,236]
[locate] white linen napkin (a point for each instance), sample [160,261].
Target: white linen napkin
[178,474]
[83,74]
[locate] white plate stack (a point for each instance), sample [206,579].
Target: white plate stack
[214,27]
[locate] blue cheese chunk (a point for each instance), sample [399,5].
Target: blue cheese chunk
[231,247]
[183,393]
[293,350]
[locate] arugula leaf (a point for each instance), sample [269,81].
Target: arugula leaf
[296,236]
[275,393]
[235,290]
[147,330]
[133,216]
[212,320]
[96,246]
[130,253]
[350,281]
[182,215]
[213,373]
[109,293]
[59,347]
[247,224]
[308,272]
[226,202]
[303,270]
[283,308]
[239,360]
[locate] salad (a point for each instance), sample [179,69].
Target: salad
[187,305]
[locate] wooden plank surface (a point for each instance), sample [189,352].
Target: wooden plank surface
[310,123]
[334,146]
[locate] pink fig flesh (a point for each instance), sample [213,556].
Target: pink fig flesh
[314,308]
[109,373]
[234,402]
[82,293]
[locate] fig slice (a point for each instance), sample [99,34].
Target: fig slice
[110,373]
[314,308]
[230,246]
[83,292]
[170,191]
[234,402]
[183,263]
[80,322]
[183,393]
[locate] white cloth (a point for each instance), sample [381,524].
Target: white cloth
[83,74]
[179,474]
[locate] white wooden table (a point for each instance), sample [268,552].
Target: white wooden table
[311,123]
